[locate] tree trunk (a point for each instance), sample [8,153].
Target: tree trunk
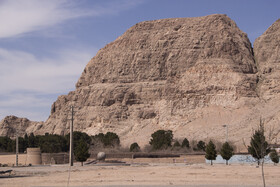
[226,162]
[82,163]
[211,162]
[263,173]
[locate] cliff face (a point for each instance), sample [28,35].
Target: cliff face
[189,75]
[267,55]
[159,72]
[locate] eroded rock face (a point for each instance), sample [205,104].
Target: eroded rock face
[267,55]
[164,49]
[11,125]
[157,73]
[189,75]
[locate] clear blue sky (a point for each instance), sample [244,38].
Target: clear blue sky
[45,44]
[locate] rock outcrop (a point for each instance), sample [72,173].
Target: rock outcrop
[267,55]
[189,75]
[12,125]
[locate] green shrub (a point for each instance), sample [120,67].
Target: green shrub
[7,144]
[32,141]
[176,144]
[258,145]
[161,139]
[52,143]
[109,139]
[134,147]
[201,145]
[185,143]
[81,152]
[77,137]
[211,152]
[226,151]
[274,156]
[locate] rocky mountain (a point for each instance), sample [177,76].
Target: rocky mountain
[12,125]
[189,75]
[267,56]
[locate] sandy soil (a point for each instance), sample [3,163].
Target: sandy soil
[157,172]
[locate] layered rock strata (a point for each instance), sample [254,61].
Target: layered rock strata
[267,55]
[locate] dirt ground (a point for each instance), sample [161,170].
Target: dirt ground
[184,171]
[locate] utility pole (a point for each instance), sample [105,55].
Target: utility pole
[226,132]
[71,137]
[16,148]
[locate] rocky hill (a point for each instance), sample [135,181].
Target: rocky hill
[189,75]
[12,125]
[267,55]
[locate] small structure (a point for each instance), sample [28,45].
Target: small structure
[55,158]
[100,161]
[238,159]
[276,147]
[101,156]
[33,156]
